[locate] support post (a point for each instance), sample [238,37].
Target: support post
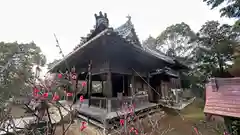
[133,83]
[163,89]
[89,83]
[179,80]
[102,83]
[149,88]
[109,105]
[109,91]
[177,95]
[102,86]
[109,84]
[123,84]
[133,88]
[100,104]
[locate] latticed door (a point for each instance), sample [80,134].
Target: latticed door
[165,89]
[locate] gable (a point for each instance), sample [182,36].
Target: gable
[127,32]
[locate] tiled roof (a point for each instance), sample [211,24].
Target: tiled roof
[125,31]
[222,97]
[167,71]
[159,55]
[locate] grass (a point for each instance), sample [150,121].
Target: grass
[194,116]
[194,112]
[191,116]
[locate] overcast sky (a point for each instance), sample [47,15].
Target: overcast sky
[37,20]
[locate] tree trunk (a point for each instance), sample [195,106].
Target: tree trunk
[220,63]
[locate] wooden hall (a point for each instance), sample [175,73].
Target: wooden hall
[123,69]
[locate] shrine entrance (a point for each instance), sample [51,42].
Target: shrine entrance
[119,84]
[155,83]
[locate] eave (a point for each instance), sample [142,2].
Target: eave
[181,66]
[111,36]
[78,50]
[139,49]
[165,71]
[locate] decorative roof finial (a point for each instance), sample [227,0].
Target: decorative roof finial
[105,15]
[128,17]
[100,13]
[101,19]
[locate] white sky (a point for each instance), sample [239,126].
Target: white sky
[37,20]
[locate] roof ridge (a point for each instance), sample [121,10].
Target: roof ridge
[159,54]
[128,32]
[102,23]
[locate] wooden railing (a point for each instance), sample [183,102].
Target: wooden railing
[100,102]
[114,104]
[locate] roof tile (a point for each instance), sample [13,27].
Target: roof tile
[225,101]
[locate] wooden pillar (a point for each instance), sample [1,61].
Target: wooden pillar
[123,84]
[149,88]
[102,86]
[89,83]
[162,89]
[179,80]
[108,80]
[133,86]
[129,86]
[103,78]
[109,84]
[109,91]
[109,105]
[168,89]
[177,95]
